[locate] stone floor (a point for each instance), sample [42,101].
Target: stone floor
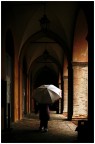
[26,131]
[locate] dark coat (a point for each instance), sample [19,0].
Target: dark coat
[44,113]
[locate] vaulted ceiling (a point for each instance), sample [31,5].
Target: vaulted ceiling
[36,47]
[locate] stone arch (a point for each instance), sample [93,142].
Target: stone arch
[51,35]
[50,58]
[46,74]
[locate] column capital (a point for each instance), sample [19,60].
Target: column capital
[65,77]
[80,64]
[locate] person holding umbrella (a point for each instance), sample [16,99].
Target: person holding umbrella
[44,116]
[45,95]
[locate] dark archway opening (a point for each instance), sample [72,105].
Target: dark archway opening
[47,76]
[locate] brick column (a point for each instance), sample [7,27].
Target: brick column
[80,89]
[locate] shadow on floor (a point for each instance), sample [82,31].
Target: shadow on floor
[34,136]
[26,131]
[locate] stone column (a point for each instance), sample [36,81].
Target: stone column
[70,91]
[62,88]
[28,96]
[16,86]
[61,106]
[65,94]
[3,85]
[31,99]
[80,89]
[90,38]
[3,104]
[20,93]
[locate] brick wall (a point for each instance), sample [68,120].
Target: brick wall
[80,101]
[80,67]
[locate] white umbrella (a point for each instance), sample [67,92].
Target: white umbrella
[47,94]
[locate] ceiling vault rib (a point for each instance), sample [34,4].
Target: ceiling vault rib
[46,62]
[44,42]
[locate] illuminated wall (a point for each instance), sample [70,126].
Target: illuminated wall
[80,68]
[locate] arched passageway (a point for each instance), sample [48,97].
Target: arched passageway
[44,44]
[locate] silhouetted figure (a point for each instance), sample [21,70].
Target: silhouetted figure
[44,116]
